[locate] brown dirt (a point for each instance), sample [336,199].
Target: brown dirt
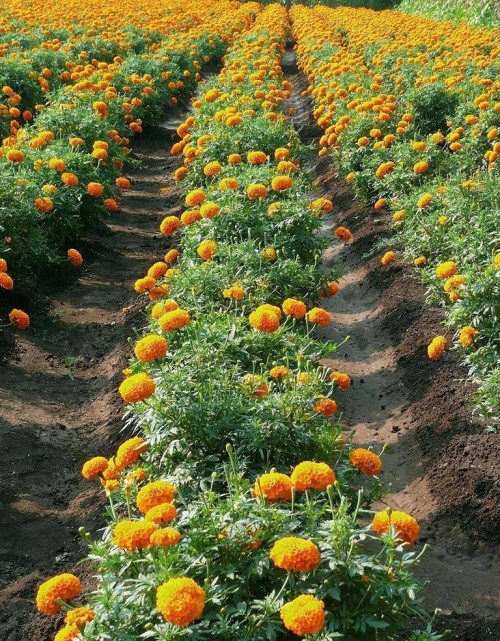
[442,466]
[53,415]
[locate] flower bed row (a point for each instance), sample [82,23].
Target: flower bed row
[411,113]
[205,538]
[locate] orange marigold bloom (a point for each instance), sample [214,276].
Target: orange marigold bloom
[234,159]
[162,308]
[420,167]
[175,319]
[420,261]
[269,253]
[209,209]
[280,183]
[95,189]
[14,155]
[74,257]
[467,335]
[366,461]
[3,265]
[111,204]
[322,204]
[150,348]
[388,258]
[171,256]
[69,179]
[343,234]
[341,378]
[153,494]
[309,475]
[19,319]
[436,347]
[256,191]
[169,225]
[264,320]
[453,283]
[132,535]
[137,387]
[195,197]
[274,487]
[235,292]
[446,270]
[212,168]
[282,153]
[256,385]
[190,217]
[180,600]
[93,467]
[295,554]
[228,183]
[79,616]
[44,204]
[122,183]
[304,615]
[256,157]
[6,281]
[68,633]
[405,526]
[157,270]
[142,285]
[325,406]
[424,200]
[163,513]
[165,537]
[279,372]
[294,307]
[207,249]
[129,451]
[318,316]
[63,586]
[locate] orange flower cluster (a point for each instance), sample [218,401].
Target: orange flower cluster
[295,554]
[405,526]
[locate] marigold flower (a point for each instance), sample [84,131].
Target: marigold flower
[153,494]
[309,475]
[137,387]
[467,335]
[163,513]
[209,209]
[195,197]
[319,316]
[343,234]
[63,586]
[93,467]
[142,285]
[304,615]
[256,191]
[256,157]
[175,319]
[68,633]
[424,200]
[341,378]
[169,225]
[132,535]
[322,204]
[74,257]
[6,281]
[180,600]
[3,265]
[269,253]
[79,616]
[450,284]
[366,461]
[212,168]
[264,320]
[405,526]
[111,204]
[44,204]
[420,261]
[228,183]
[18,318]
[279,372]
[274,487]
[150,348]
[69,179]
[325,406]
[207,249]
[436,347]
[95,189]
[281,183]
[398,216]
[446,270]
[388,258]
[295,554]
[235,292]
[281,153]
[294,307]
[171,256]
[443,220]
[256,385]
[165,537]
[129,451]
[234,159]
[14,155]
[420,167]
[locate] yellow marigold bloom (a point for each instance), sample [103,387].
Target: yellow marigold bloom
[318,316]
[467,335]
[282,153]
[212,168]
[137,475]
[325,406]
[180,600]
[388,258]
[207,249]
[295,554]
[256,157]
[145,284]
[132,535]
[398,216]
[93,467]
[234,159]
[162,308]
[304,615]
[63,586]
[153,494]
[150,348]
[380,204]
[165,537]
[424,200]
[420,167]
[157,270]
[341,378]
[129,451]
[68,633]
[309,475]
[281,183]
[175,319]
[79,616]
[137,387]
[294,307]
[436,347]
[195,197]
[446,270]
[322,204]
[163,513]
[443,220]
[454,282]
[420,261]
[264,320]
[228,183]
[405,526]
[190,217]
[209,209]
[273,487]
[269,253]
[256,191]
[256,385]
[171,256]
[343,234]
[366,461]
[279,372]
[235,292]
[169,225]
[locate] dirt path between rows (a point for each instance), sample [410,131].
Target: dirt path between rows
[58,392]
[442,466]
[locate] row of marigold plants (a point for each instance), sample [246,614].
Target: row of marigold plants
[410,109]
[240,509]
[62,160]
